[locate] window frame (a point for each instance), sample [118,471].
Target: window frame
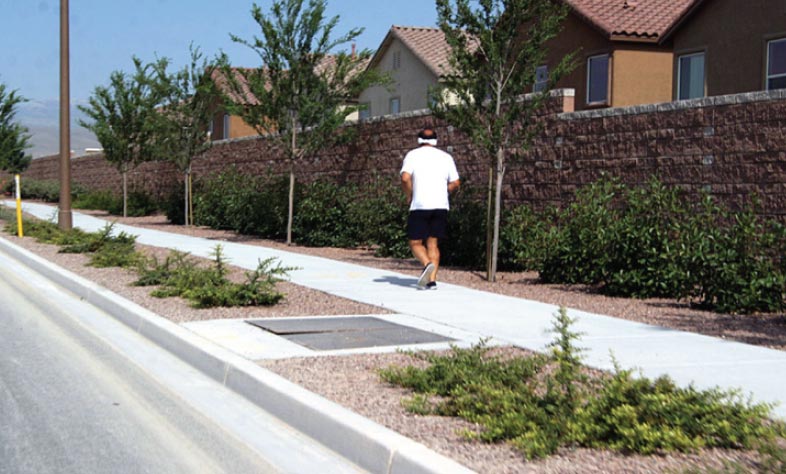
[226,124]
[396,60]
[390,105]
[767,76]
[543,84]
[679,74]
[364,112]
[607,100]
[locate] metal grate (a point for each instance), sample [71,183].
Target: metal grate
[324,334]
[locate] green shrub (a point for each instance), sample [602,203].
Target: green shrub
[641,260]
[45,190]
[465,245]
[235,201]
[582,237]
[525,238]
[734,261]
[539,404]
[105,249]
[653,242]
[97,200]
[208,287]
[258,289]
[648,416]
[322,215]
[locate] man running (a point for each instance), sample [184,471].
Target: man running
[428,176]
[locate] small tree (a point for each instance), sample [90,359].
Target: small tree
[495,50]
[299,85]
[182,122]
[13,136]
[122,115]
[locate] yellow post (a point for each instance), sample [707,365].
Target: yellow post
[19,206]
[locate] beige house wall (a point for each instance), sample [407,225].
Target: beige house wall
[410,82]
[640,76]
[237,127]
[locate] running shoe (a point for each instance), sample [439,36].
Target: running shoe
[428,270]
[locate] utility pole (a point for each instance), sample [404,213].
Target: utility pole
[64,220]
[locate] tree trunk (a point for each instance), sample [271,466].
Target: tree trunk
[187,199]
[489,223]
[497,212]
[292,157]
[291,204]
[190,196]
[125,193]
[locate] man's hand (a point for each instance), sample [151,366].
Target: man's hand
[454,185]
[406,185]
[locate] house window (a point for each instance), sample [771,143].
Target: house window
[396,60]
[226,126]
[690,76]
[541,79]
[598,79]
[365,111]
[395,105]
[776,64]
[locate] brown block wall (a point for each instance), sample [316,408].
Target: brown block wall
[733,146]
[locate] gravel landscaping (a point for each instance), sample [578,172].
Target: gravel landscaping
[352,381]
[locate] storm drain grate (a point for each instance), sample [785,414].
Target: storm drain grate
[325,334]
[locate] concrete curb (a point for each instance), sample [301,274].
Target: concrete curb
[362,441]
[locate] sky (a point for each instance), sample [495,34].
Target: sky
[105,34]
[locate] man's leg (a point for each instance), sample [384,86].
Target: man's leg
[419,251]
[432,252]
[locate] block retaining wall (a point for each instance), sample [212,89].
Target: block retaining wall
[732,146]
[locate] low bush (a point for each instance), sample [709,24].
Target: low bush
[139,203]
[541,403]
[45,190]
[96,200]
[208,287]
[322,216]
[235,201]
[465,245]
[652,242]
[104,249]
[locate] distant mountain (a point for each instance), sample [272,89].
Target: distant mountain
[42,118]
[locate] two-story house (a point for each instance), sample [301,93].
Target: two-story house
[226,126]
[648,51]
[728,47]
[414,58]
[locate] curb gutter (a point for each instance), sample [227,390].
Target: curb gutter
[360,440]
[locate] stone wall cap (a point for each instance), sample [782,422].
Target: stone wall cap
[714,101]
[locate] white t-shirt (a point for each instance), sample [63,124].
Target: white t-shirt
[431,169]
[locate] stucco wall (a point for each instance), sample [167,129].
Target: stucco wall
[732,146]
[410,82]
[579,38]
[733,34]
[641,75]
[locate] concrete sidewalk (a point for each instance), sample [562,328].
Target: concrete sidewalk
[686,357]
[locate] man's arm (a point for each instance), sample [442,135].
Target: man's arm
[454,185]
[406,185]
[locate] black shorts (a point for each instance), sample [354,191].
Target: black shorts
[423,224]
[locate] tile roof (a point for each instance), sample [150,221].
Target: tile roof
[428,44]
[634,20]
[246,97]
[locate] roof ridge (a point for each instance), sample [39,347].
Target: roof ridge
[403,27]
[629,19]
